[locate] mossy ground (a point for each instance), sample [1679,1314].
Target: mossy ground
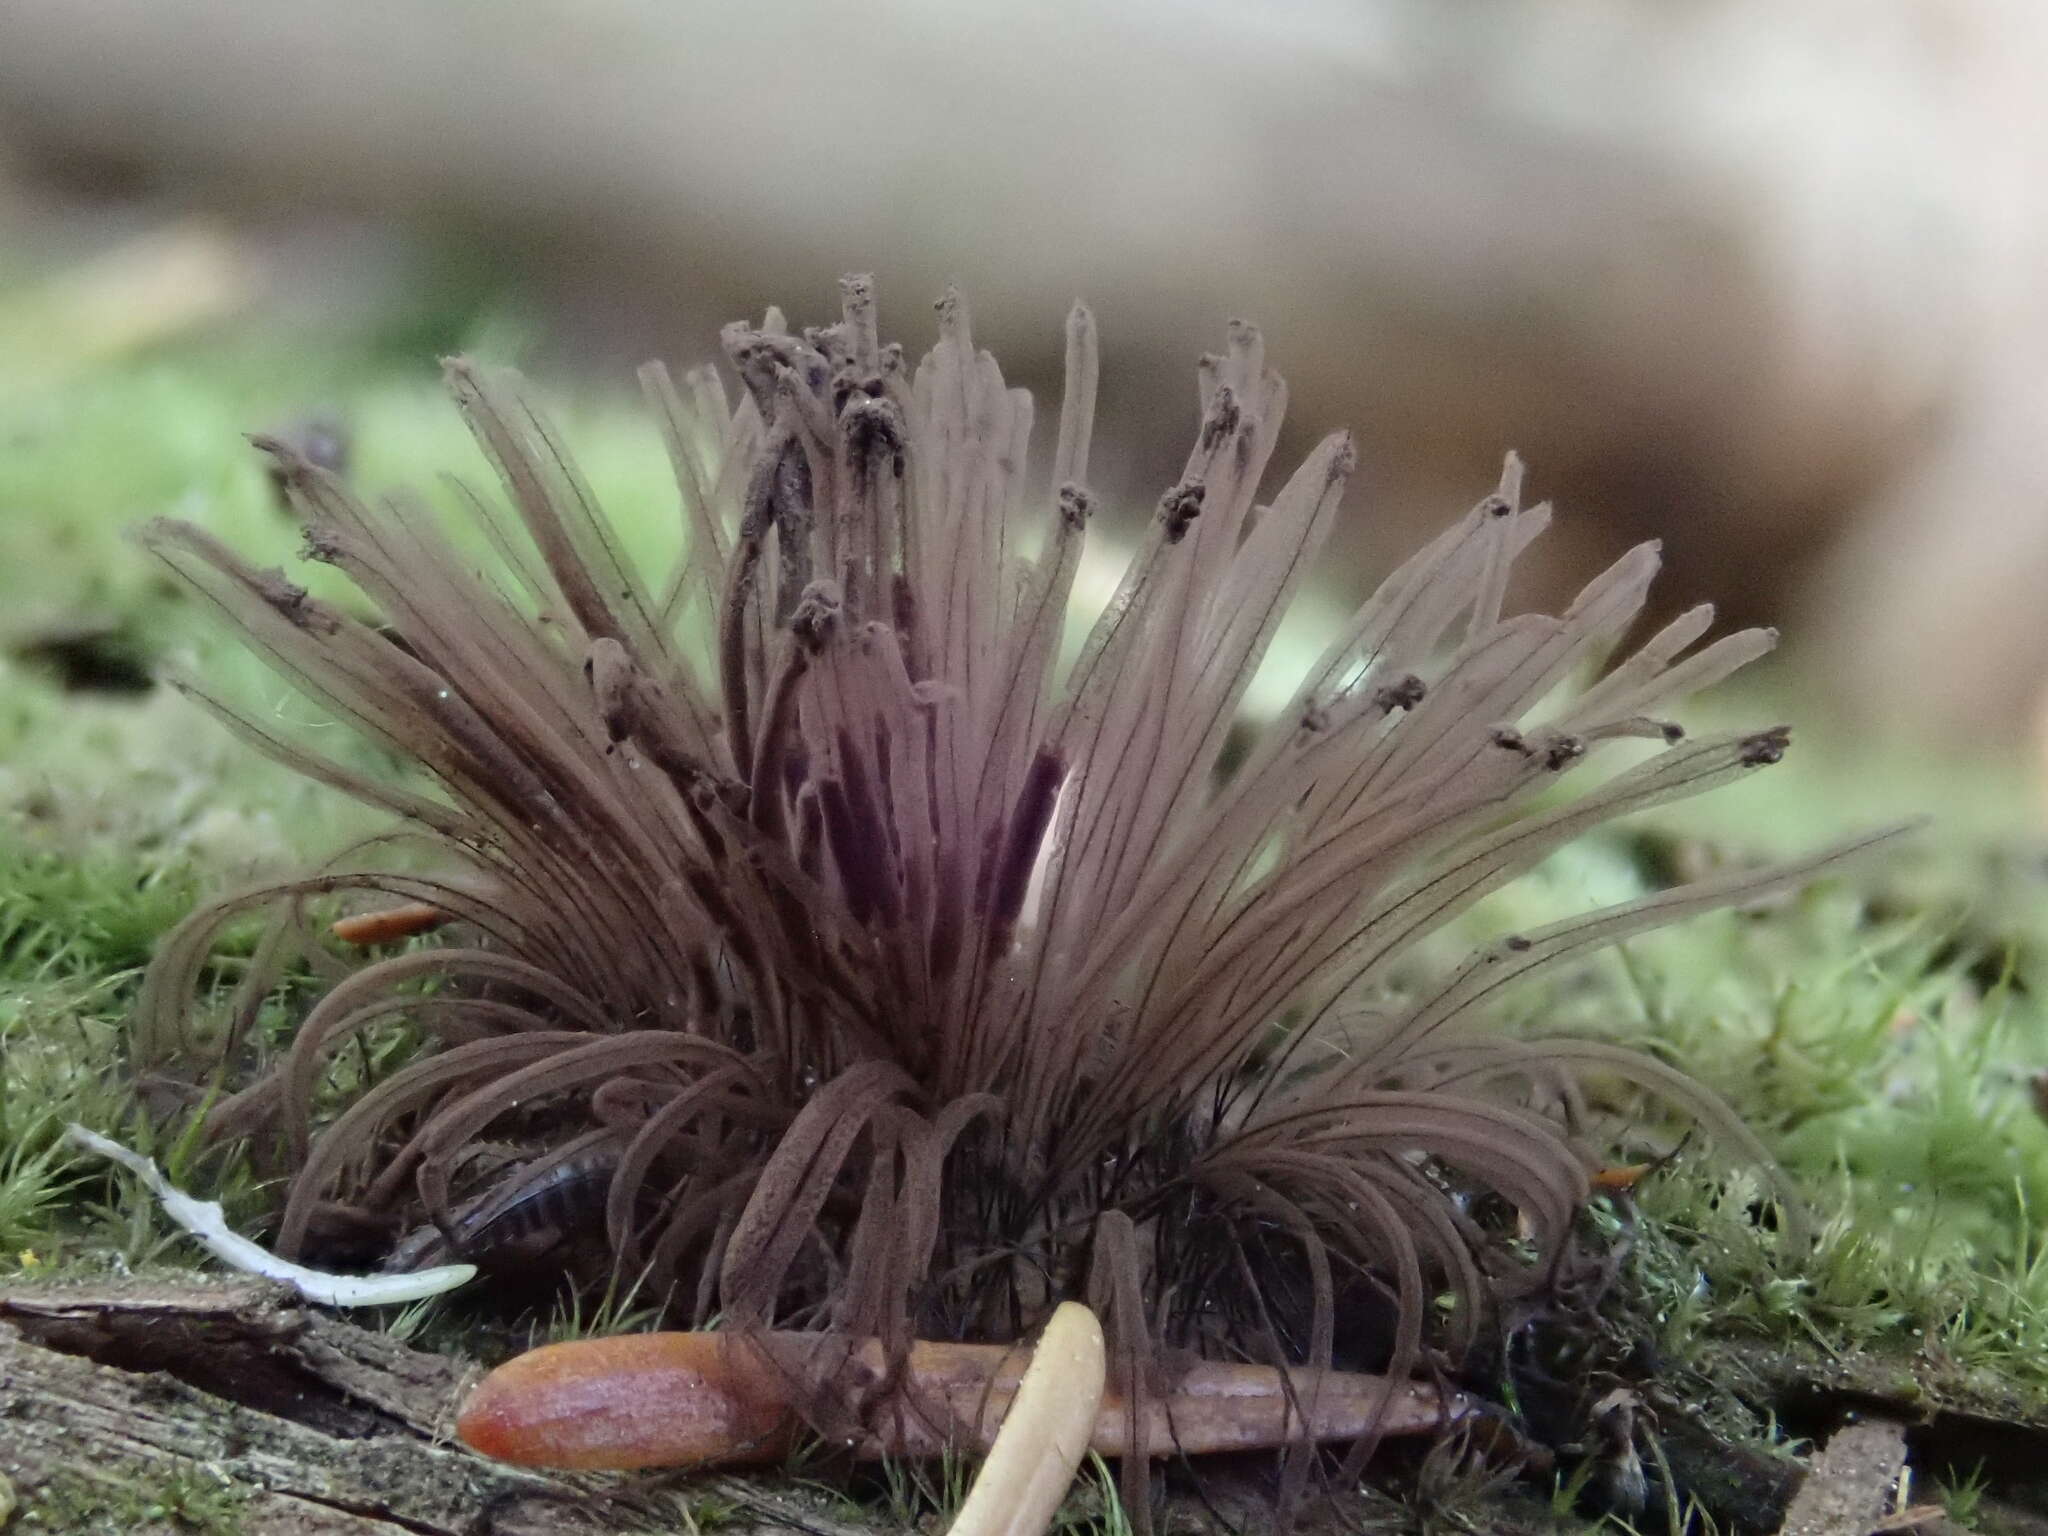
[191,1500]
[1880,1032]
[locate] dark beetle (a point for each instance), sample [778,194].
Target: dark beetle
[528,1211]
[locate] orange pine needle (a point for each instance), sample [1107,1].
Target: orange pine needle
[390,925]
[1622,1177]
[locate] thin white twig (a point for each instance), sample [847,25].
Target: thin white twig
[203,1219]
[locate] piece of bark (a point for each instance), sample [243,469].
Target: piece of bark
[303,1424]
[1851,1488]
[1742,1487]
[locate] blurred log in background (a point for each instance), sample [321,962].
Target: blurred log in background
[1765,278]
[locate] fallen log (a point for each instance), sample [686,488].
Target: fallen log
[175,1403]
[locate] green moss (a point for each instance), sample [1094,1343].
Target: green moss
[136,1502]
[702,1516]
[93,455]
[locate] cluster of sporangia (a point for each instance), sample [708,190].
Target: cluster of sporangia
[863,970]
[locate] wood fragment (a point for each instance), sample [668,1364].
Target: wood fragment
[313,1426]
[1916,1517]
[1852,1487]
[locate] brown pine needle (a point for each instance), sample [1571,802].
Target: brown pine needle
[898,978]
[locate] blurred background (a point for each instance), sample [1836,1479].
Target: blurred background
[1767,279]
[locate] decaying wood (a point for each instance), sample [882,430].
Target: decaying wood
[312,1426]
[1743,1487]
[1853,1486]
